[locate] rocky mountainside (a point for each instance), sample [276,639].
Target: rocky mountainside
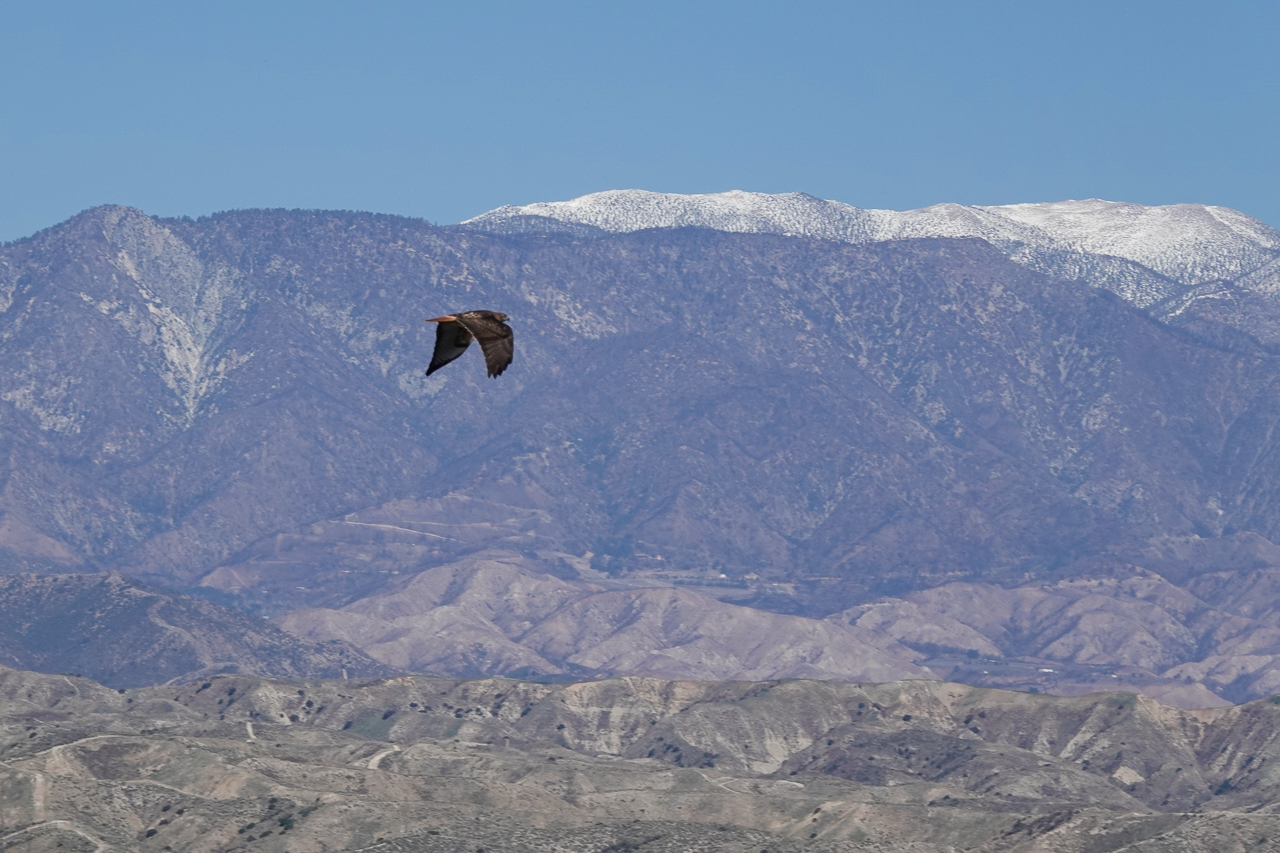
[125,635]
[799,426]
[425,764]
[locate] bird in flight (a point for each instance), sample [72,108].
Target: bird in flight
[456,331]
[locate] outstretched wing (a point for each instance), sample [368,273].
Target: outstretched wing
[452,340]
[495,337]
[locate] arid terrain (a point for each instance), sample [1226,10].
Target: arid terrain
[237,763]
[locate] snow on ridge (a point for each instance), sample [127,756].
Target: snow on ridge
[1188,243]
[633,210]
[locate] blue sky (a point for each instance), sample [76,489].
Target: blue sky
[445,110]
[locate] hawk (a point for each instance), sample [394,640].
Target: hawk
[456,331]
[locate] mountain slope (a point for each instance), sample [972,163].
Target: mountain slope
[126,635]
[920,387]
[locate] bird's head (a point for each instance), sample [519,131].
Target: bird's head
[500,317]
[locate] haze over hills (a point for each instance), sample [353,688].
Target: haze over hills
[784,424]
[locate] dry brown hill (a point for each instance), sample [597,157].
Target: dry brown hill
[428,764]
[495,613]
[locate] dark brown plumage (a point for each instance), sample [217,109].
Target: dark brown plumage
[456,331]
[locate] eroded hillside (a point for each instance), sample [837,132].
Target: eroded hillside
[424,764]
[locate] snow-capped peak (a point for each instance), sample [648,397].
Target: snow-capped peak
[1187,243]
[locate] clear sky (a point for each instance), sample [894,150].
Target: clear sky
[444,110]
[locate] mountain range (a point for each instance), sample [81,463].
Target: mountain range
[745,436]
[1146,254]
